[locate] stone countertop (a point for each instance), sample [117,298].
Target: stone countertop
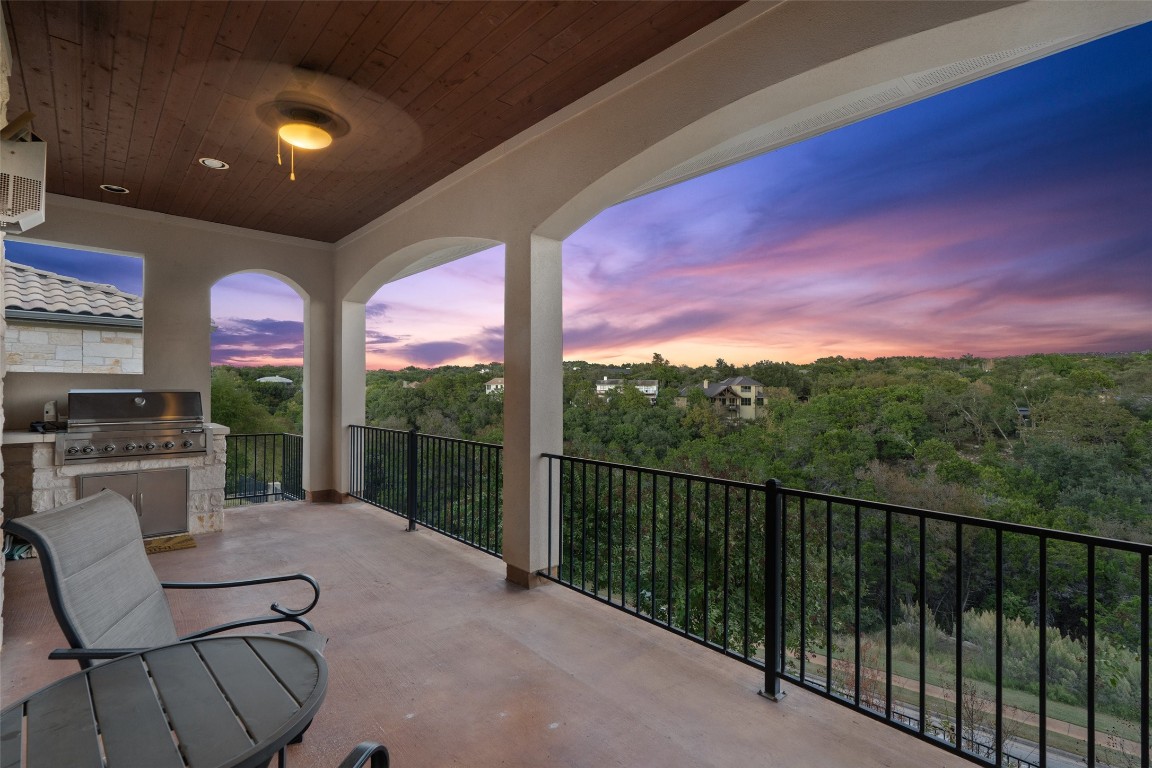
[13,437]
[19,437]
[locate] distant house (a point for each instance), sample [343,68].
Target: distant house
[739,396]
[60,324]
[493,386]
[649,387]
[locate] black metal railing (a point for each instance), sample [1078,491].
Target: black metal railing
[264,467]
[682,551]
[451,486]
[1007,644]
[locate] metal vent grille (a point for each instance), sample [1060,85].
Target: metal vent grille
[20,194]
[944,75]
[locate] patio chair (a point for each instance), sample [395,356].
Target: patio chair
[365,751]
[103,591]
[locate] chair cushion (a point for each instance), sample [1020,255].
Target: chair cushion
[93,557]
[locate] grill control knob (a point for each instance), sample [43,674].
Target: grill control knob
[72,450]
[169,445]
[110,448]
[88,449]
[149,446]
[187,443]
[130,447]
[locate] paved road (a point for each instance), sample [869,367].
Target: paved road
[1027,751]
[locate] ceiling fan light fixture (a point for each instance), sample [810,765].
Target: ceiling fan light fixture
[304,135]
[302,121]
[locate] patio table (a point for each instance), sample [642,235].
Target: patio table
[221,701]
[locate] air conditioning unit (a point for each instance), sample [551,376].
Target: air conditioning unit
[22,193]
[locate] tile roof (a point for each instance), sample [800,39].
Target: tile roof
[37,290]
[712,389]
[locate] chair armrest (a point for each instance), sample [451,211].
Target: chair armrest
[289,614]
[249,623]
[365,751]
[87,654]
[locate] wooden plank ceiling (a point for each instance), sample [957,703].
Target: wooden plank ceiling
[133,93]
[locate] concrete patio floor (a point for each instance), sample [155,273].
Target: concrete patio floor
[434,654]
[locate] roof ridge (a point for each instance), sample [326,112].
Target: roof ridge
[103,287]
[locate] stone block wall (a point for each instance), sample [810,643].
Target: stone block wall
[59,348]
[35,483]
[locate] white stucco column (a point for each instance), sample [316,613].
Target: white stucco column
[349,385]
[319,365]
[533,400]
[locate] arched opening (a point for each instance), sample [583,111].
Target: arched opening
[258,385]
[448,318]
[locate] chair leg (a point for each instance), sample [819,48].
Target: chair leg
[300,736]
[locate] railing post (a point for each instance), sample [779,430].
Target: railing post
[773,560]
[411,493]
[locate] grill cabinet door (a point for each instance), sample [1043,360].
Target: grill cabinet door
[162,501]
[160,496]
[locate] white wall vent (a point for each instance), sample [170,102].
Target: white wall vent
[22,192]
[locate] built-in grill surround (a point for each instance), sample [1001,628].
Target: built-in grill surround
[124,424]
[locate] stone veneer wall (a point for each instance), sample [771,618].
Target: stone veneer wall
[73,349]
[37,484]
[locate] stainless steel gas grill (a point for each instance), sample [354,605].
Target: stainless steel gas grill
[119,424]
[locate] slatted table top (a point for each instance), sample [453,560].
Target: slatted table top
[220,701]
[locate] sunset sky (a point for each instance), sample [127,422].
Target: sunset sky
[1010,216]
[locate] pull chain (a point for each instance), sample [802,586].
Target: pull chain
[279,161]
[292,173]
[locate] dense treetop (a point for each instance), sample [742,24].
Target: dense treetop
[1061,441]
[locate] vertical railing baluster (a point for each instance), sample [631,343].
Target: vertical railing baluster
[583,526]
[639,514]
[957,626]
[413,461]
[773,631]
[1145,664]
[551,464]
[1042,626]
[727,564]
[889,613]
[668,558]
[608,559]
[999,579]
[1091,655]
[748,570]
[705,586]
[803,617]
[922,587]
[688,556]
[652,564]
[828,576]
[596,529]
[571,523]
[858,678]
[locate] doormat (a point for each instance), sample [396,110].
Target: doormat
[169,543]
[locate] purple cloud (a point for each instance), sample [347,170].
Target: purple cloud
[433,353]
[244,341]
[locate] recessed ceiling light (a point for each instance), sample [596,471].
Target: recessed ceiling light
[115,189]
[214,164]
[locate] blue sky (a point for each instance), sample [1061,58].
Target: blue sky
[1009,216]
